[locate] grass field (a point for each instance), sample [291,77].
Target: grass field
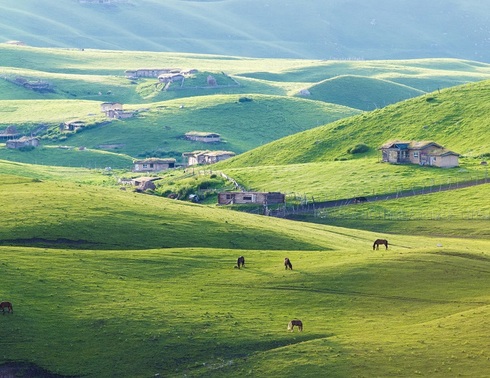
[414,310]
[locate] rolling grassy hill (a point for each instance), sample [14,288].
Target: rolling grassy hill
[296,29]
[107,282]
[81,80]
[455,117]
[361,92]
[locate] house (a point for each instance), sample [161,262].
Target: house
[205,137]
[72,125]
[22,142]
[170,77]
[115,110]
[206,157]
[150,72]
[418,152]
[153,165]
[261,198]
[10,132]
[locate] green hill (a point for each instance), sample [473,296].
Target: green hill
[315,30]
[106,282]
[360,92]
[453,117]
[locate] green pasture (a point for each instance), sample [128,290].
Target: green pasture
[416,309]
[68,156]
[333,180]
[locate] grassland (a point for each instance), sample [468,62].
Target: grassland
[108,282]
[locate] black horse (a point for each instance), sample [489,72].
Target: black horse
[240,262]
[287,264]
[379,242]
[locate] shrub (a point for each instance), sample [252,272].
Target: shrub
[358,149]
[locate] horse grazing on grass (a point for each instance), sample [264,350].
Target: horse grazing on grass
[287,264]
[379,242]
[240,262]
[6,305]
[295,322]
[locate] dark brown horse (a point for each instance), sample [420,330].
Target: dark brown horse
[379,242]
[6,305]
[287,264]
[295,322]
[240,262]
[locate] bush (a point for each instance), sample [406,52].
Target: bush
[358,149]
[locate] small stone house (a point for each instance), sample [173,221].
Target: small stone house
[153,165]
[261,198]
[205,137]
[115,110]
[22,142]
[206,157]
[72,125]
[418,152]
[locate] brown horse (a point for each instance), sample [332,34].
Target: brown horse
[379,242]
[6,305]
[240,262]
[295,322]
[287,264]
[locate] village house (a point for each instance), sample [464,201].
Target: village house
[418,152]
[115,110]
[153,165]
[9,133]
[72,125]
[22,142]
[205,137]
[206,157]
[151,72]
[170,77]
[261,198]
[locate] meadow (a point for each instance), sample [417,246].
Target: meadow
[113,283]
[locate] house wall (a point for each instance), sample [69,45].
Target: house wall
[447,161]
[250,197]
[152,167]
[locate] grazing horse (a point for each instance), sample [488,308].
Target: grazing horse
[377,242]
[6,305]
[287,264]
[295,322]
[240,262]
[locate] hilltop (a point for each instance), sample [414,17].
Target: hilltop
[337,29]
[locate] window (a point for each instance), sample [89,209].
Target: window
[247,198]
[416,154]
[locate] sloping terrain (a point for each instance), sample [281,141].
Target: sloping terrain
[315,29]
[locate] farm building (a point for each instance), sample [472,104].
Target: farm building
[261,198]
[205,137]
[206,157]
[422,153]
[10,132]
[150,72]
[22,142]
[115,110]
[72,125]
[153,165]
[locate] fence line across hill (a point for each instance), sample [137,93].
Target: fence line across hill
[314,207]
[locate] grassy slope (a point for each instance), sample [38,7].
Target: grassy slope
[454,118]
[361,92]
[109,308]
[319,30]
[187,311]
